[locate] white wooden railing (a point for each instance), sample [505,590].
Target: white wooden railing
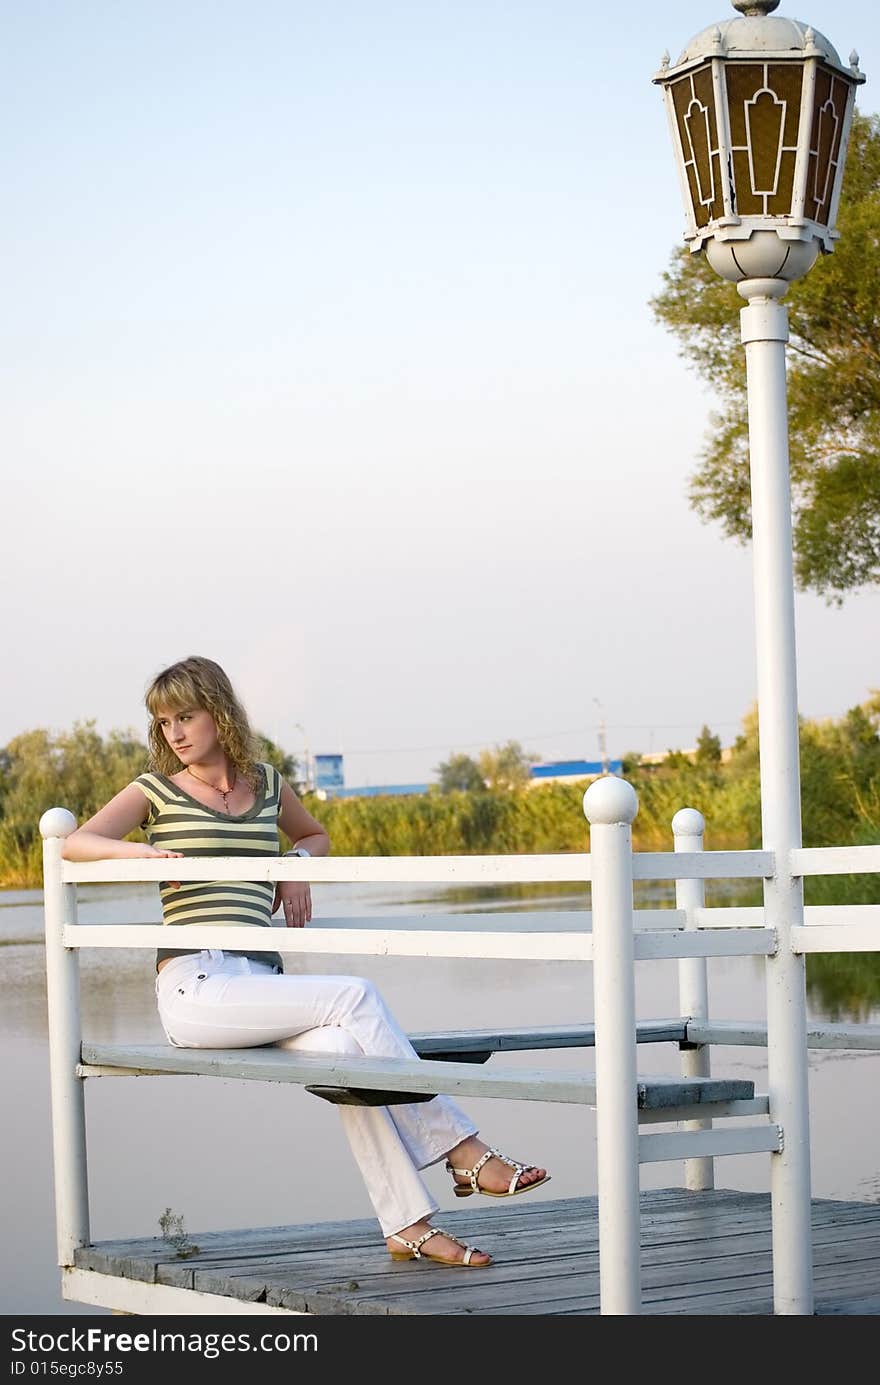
[612,936]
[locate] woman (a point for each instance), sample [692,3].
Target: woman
[207,795]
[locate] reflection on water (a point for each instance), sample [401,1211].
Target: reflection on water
[149,1137]
[841,986]
[846,985]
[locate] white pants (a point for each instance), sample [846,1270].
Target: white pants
[212,1000]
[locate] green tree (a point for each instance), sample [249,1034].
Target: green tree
[631,763]
[459,774]
[675,759]
[78,769]
[833,384]
[744,754]
[508,766]
[708,748]
[286,765]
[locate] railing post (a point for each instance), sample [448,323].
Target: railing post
[610,805]
[65,1039]
[688,827]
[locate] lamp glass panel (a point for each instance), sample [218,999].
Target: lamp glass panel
[743,80]
[780,204]
[746,204]
[693,99]
[787,80]
[763,110]
[826,133]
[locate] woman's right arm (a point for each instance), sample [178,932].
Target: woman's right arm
[100,838]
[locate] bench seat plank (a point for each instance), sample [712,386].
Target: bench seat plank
[387,1075]
[458,1042]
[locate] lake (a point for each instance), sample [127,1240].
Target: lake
[236,1154]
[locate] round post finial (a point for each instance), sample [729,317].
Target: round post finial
[57,822]
[755,7]
[610,800]
[688,822]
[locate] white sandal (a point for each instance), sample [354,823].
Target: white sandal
[414,1249]
[473,1186]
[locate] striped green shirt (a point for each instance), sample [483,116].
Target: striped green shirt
[178,822]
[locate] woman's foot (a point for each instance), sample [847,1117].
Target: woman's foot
[433,1244]
[496,1175]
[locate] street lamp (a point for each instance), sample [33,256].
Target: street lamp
[298,726]
[603,745]
[759,109]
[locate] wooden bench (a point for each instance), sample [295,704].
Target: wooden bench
[445,1064]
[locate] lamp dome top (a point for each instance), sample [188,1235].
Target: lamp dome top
[760,35]
[755,6]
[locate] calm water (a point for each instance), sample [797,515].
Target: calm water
[229,1154]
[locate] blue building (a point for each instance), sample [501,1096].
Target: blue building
[547,772]
[565,771]
[372,790]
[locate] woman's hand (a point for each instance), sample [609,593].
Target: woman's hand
[296,897]
[145,851]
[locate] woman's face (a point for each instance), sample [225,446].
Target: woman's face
[191,733]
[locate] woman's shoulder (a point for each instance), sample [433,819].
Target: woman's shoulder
[151,782]
[270,777]
[155,787]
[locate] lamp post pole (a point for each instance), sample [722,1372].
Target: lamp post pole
[764,333]
[759,110]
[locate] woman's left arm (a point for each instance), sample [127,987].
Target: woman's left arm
[303,830]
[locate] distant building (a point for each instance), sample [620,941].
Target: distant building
[568,771]
[328,772]
[548,772]
[659,757]
[371,790]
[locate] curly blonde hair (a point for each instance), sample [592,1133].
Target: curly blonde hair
[199,682]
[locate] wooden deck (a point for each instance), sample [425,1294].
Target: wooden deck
[702,1253]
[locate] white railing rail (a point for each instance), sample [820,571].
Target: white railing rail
[563,868]
[612,935]
[648,944]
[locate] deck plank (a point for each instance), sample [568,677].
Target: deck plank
[702,1254]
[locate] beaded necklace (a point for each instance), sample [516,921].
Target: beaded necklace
[223,792]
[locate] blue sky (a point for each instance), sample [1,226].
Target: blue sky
[327,353]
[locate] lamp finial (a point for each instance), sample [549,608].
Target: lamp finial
[755,7]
